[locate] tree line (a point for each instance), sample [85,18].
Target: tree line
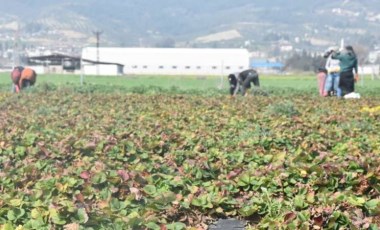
[306,61]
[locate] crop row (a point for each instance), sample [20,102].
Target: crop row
[129,161]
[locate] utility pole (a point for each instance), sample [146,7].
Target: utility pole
[221,86]
[97,34]
[16,47]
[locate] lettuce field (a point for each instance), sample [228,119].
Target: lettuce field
[84,158]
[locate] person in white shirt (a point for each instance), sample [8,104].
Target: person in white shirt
[333,73]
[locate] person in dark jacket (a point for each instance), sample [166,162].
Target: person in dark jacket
[348,65]
[241,82]
[246,78]
[234,83]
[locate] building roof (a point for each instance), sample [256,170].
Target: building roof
[57,59]
[166,55]
[55,56]
[171,50]
[101,62]
[53,59]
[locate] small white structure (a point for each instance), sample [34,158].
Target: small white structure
[371,69]
[171,61]
[99,69]
[39,69]
[90,67]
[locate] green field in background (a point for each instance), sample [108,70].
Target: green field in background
[268,82]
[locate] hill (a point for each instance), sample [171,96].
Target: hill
[188,23]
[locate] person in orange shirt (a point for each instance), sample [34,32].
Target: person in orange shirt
[22,78]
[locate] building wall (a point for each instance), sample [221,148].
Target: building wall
[55,69]
[369,69]
[91,69]
[173,61]
[39,69]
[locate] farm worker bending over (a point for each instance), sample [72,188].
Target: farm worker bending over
[246,78]
[16,76]
[242,81]
[234,84]
[22,78]
[28,78]
[348,63]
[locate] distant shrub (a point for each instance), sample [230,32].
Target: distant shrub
[259,92]
[45,87]
[285,108]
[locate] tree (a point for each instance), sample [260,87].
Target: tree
[362,53]
[304,62]
[166,43]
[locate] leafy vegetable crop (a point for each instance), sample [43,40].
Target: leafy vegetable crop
[72,160]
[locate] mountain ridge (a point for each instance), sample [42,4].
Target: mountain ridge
[168,23]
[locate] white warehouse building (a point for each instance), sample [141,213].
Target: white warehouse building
[169,61]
